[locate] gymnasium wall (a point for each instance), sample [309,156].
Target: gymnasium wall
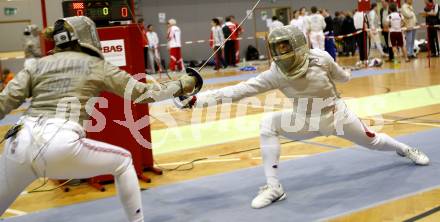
[28,12]
[193,17]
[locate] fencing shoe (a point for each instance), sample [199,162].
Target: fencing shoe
[417,156]
[268,194]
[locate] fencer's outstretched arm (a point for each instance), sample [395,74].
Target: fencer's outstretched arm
[123,84]
[15,93]
[336,72]
[264,82]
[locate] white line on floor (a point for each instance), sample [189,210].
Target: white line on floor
[230,160]
[16,212]
[405,122]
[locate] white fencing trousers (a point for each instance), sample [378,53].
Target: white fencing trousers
[377,42]
[57,149]
[317,39]
[273,125]
[153,56]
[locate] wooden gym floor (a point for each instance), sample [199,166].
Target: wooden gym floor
[404,76]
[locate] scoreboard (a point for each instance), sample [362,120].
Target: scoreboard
[99,11]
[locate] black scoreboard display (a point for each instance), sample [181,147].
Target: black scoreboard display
[98,10]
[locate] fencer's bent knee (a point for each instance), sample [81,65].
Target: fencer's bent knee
[125,164]
[268,126]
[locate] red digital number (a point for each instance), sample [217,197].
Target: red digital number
[78,5]
[79,12]
[124,12]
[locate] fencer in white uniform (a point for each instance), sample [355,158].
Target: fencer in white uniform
[315,28]
[51,141]
[308,78]
[31,45]
[301,21]
[374,22]
[275,23]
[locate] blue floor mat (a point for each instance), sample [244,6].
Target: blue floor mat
[318,187]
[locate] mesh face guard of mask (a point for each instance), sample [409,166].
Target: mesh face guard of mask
[289,51]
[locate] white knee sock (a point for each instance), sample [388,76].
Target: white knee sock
[383,142]
[270,151]
[130,195]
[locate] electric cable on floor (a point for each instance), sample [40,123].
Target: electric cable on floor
[36,190]
[191,163]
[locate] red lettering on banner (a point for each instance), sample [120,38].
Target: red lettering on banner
[109,49]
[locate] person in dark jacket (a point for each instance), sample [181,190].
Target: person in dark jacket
[347,28]
[337,29]
[384,12]
[329,34]
[431,14]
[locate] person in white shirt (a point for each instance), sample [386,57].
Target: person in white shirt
[174,45]
[307,78]
[395,23]
[216,40]
[361,25]
[275,23]
[295,21]
[153,49]
[374,22]
[410,20]
[302,21]
[315,29]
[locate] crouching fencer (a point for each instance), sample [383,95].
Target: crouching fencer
[49,139]
[305,76]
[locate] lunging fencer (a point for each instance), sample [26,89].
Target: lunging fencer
[51,142]
[305,76]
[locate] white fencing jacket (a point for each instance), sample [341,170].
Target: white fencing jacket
[318,82]
[174,37]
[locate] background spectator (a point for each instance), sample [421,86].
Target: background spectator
[384,12]
[144,42]
[230,52]
[374,22]
[302,20]
[329,34]
[153,49]
[337,28]
[395,22]
[236,39]
[431,15]
[275,23]
[31,44]
[295,16]
[360,24]
[174,45]
[410,20]
[216,41]
[347,28]
[7,76]
[315,29]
